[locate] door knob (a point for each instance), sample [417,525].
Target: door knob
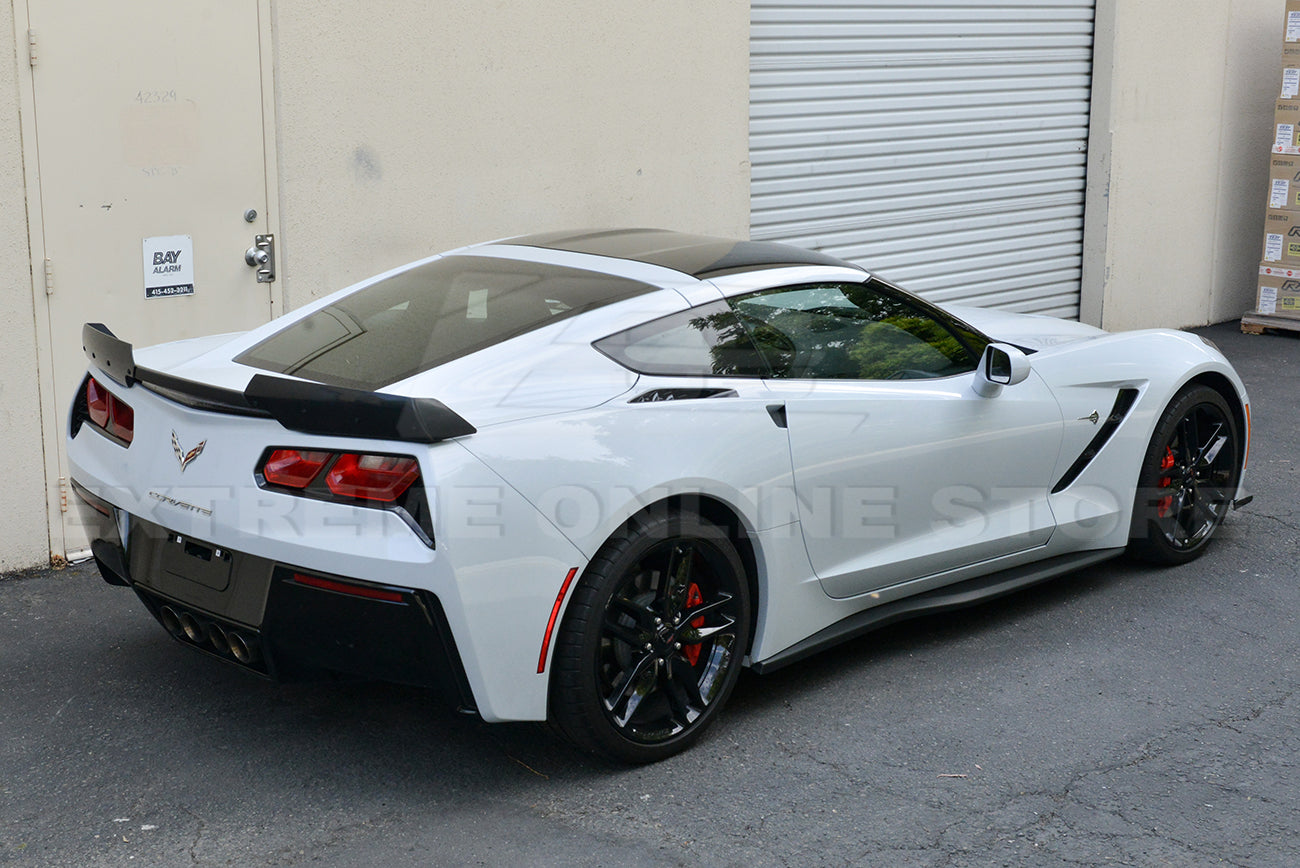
[262,257]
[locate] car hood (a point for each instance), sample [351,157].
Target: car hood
[1025,330]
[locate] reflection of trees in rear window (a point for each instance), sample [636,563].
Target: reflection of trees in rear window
[730,348]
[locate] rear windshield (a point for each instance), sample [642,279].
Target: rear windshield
[427,316]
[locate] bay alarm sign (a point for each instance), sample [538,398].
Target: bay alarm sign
[168,266]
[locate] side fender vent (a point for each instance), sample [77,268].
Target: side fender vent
[1123,403]
[656,395]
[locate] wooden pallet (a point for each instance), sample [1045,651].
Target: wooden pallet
[1254,323]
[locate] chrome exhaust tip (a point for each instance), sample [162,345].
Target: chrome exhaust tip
[218,638]
[170,620]
[192,629]
[243,648]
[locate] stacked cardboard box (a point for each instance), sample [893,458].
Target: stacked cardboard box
[1279,270]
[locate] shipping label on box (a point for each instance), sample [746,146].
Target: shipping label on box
[1291,35]
[1284,182]
[1279,193]
[1279,291]
[1286,126]
[1282,237]
[1286,139]
[1290,82]
[1291,26]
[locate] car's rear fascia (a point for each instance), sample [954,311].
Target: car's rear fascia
[472,611]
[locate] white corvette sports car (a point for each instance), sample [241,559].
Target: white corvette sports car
[586,477]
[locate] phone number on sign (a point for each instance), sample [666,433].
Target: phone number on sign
[164,291]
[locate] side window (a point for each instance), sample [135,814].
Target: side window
[854,332]
[703,341]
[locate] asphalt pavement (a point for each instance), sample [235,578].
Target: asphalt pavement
[1121,715]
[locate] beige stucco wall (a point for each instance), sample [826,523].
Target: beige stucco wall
[406,128]
[1179,159]
[25,540]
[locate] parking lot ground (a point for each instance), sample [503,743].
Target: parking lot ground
[1121,715]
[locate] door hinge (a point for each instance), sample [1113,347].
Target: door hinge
[49,277]
[63,494]
[31,47]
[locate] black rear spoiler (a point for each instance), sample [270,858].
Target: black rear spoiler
[309,408]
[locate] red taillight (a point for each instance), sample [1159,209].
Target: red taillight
[121,420]
[372,477]
[292,468]
[97,399]
[109,413]
[387,482]
[380,478]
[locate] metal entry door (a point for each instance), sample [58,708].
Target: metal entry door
[151,164]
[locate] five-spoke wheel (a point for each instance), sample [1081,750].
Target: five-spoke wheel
[653,639]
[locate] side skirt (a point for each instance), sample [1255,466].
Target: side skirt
[958,596]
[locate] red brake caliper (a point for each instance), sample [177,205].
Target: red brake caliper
[693,598]
[1162,505]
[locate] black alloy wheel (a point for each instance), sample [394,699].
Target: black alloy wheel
[1188,478]
[653,640]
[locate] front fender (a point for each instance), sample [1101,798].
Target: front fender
[1095,509]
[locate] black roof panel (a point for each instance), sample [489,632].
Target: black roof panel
[700,256]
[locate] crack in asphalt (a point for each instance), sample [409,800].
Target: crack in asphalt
[1050,830]
[1148,752]
[198,834]
[1279,519]
[1255,713]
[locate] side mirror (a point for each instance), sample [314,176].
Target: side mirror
[1001,365]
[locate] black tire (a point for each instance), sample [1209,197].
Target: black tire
[1188,478]
[653,640]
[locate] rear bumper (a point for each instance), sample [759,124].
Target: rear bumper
[276,620]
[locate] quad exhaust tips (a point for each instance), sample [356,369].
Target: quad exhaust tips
[210,635]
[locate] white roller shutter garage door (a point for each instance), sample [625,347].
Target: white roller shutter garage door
[939,143]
